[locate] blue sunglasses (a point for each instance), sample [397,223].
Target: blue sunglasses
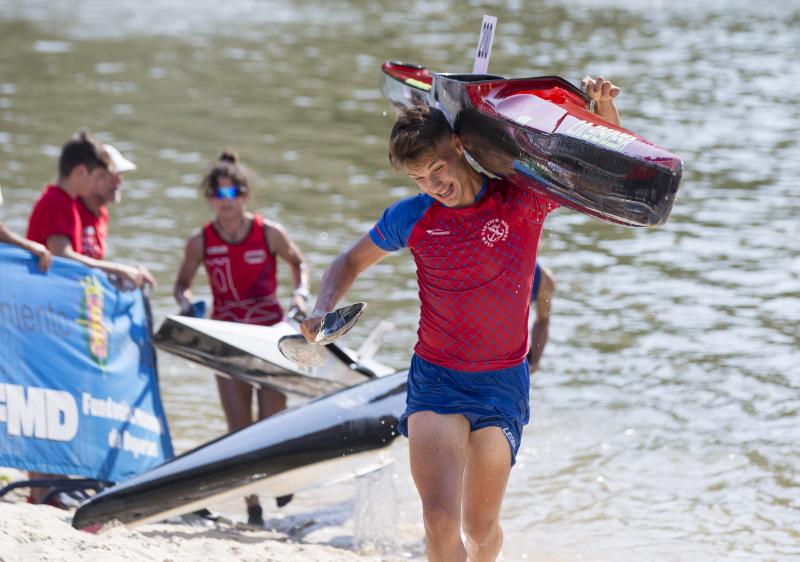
[227,192]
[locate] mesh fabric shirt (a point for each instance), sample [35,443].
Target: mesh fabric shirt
[475,269]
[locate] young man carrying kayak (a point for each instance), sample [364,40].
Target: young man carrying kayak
[474,241]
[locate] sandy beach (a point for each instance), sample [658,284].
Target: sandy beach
[40,532]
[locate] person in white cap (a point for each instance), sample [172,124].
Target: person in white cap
[38,250]
[84,167]
[92,208]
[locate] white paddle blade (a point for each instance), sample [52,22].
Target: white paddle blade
[337,323]
[297,349]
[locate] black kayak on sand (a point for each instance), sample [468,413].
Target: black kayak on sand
[335,437]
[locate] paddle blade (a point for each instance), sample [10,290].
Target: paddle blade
[337,323]
[297,349]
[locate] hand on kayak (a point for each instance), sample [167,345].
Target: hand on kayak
[599,89]
[602,93]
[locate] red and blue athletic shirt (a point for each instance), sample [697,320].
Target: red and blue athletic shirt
[55,212]
[475,269]
[94,230]
[243,276]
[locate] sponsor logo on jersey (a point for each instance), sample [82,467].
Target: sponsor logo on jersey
[255,257]
[216,250]
[494,232]
[437,232]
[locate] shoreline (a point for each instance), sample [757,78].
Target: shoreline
[42,532]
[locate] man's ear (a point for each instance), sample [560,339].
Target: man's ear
[79,172]
[458,144]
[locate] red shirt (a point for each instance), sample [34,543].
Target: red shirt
[475,271]
[243,276]
[55,212]
[94,230]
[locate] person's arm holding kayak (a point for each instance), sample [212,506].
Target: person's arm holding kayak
[602,93]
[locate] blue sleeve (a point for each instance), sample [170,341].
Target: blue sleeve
[394,228]
[537,276]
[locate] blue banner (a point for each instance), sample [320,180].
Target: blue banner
[78,382]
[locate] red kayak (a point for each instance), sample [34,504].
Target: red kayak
[539,132]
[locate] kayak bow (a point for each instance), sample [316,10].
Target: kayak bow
[539,133]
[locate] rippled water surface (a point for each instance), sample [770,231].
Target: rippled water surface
[667,415]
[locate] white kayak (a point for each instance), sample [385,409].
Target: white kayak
[250,353]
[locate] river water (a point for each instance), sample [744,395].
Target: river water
[666,415]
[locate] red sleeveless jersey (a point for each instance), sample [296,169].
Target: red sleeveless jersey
[243,276]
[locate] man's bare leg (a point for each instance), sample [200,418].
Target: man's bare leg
[438,452]
[485,478]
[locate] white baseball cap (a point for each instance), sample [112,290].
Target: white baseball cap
[121,163]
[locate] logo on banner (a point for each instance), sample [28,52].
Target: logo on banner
[494,231]
[45,413]
[92,320]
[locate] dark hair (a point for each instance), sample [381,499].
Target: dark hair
[226,166]
[84,149]
[415,134]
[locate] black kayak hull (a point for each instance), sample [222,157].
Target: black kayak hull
[337,436]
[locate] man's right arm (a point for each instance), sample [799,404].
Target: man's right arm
[339,277]
[60,245]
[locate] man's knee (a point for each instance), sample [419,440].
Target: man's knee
[440,520]
[482,532]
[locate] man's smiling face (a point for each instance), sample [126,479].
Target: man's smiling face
[444,174]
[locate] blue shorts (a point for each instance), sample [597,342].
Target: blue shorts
[485,398]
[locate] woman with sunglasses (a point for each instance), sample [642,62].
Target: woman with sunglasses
[239,251]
